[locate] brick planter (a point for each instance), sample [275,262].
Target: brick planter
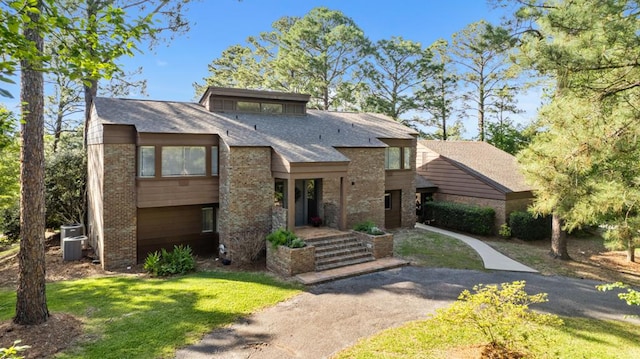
[291,261]
[381,245]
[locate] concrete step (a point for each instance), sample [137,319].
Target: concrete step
[325,241]
[336,251]
[312,278]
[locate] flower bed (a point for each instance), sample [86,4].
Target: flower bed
[291,261]
[381,245]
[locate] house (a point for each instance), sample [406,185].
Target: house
[475,173]
[162,173]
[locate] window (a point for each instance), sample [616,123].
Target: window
[214,160]
[407,158]
[147,161]
[392,158]
[248,106]
[183,161]
[387,201]
[207,220]
[272,108]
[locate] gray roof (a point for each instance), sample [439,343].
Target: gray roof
[423,183]
[299,138]
[489,163]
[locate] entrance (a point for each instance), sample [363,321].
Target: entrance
[307,200]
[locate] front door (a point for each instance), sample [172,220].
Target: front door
[307,200]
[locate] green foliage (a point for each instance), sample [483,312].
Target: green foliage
[508,137]
[9,160]
[283,237]
[463,217]
[528,227]
[65,186]
[13,351]
[368,227]
[631,296]
[10,222]
[500,313]
[505,231]
[165,263]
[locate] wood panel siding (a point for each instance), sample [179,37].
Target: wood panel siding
[95,129]
[398,179]
[392,142]
[168,226]
[177,191]
[392,216]
[119,134]
[304,170]
[279,164]
[175,139]
[452,180]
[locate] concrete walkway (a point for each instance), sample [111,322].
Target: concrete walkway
[492,259]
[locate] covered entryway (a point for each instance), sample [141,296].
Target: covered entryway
[307,194]
[392,209]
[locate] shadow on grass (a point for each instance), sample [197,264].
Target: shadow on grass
[139,318]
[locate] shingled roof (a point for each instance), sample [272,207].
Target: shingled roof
[489,163]
[299,138]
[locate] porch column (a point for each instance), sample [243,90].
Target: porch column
[291,204]
[342,219]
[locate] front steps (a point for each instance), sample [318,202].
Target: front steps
[339,250]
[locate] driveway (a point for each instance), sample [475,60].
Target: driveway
[332,316]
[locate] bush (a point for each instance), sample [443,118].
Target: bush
[282,237]
[65,187]
[462,217]
[500,313]
[13,351]
[528,228]
[246,246]
[164,263]
[368,227]
[10,223]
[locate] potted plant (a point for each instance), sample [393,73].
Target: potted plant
[316,221]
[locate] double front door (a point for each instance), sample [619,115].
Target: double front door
[307,200]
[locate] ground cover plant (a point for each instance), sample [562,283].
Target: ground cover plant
[133,317]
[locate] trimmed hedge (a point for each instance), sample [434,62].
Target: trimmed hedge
[462,217]
[528,228]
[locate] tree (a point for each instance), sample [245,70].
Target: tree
[481,51]
[585,163]
[31,305]
[394,75]
[508,137]
[438,94]
[315,54]
[9,160]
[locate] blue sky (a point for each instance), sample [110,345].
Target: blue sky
[172,68]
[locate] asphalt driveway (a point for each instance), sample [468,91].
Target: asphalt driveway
[332,316]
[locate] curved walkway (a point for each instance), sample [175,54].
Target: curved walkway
[492,259]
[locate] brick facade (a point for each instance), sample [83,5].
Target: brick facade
[246,191]
[118,249]
[365,185]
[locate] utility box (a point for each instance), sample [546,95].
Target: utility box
[72,248]
[71,230]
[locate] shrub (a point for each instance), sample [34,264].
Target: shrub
[368,227]
[164,263]
[529,228]
[282,237]
[246,246]
[631,296]
[500,313]
[462,217]
[10,223]
[505,231]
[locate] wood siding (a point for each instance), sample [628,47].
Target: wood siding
[119,134]
[393,217]
[398,179]
[168,226]
[452,180]
[177,191]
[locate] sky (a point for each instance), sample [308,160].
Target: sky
[171,69]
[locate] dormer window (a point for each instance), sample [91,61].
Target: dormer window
[219,99]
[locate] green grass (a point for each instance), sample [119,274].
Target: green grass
[434,250]
[577,338]
[149,318]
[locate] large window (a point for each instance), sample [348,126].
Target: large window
[183,161]
[396,158]
[147,161]
[392,158]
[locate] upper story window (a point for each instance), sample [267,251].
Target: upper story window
[214,161]
[258,106]
[183,161]
[147,161]
[265,107]
[396,158]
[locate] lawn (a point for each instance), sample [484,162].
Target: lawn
[129,317]
[577,338]
[428,249]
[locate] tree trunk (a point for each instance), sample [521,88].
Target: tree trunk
[631,251]
[558,239]
[31,306]
[90,92]
[58,130]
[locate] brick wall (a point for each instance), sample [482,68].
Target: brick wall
[246,191]
[118,249]
[330,210]
[365,185]
[291,261]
